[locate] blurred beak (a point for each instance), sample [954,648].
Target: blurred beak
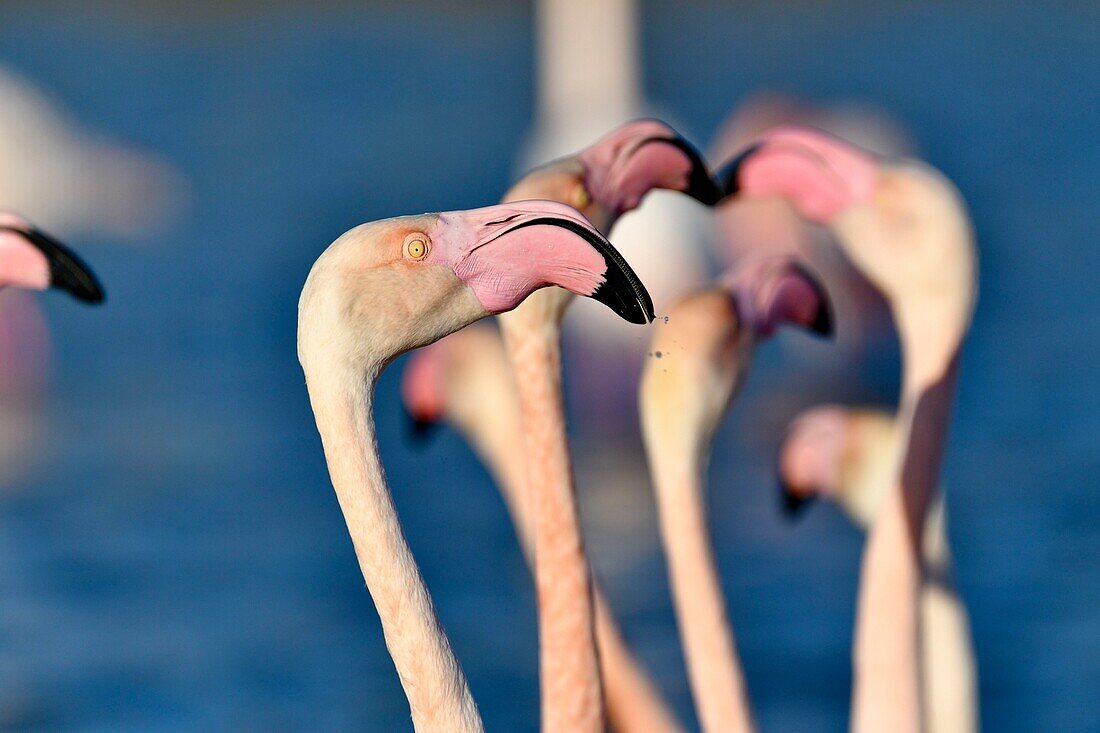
[792,504]
[701,185]
[822,323]
[419,429]
[621,168]
[67,271]
[728,177]
[821,175]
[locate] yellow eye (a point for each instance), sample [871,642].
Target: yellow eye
[416,246]
[581,197]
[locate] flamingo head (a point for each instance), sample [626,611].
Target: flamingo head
[397,284]
[771,290]
[703,349]
[820,175]
[613,175]
[811,457]
[902,224]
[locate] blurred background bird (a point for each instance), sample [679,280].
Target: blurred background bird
[73,182]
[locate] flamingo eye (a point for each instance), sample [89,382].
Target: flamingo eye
[416,246]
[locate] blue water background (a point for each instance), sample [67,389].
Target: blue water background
[178,561]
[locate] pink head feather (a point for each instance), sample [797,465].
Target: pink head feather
[819,174]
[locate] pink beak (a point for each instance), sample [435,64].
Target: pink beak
[819,174]
[506,252]
[771,291]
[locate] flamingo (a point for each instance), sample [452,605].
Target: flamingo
[847,455]
[905,227]
[700,357]
[33,260]
[466,379]
[604,180]
[389,286]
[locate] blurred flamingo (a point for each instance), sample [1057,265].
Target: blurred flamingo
[33,260]
[390,286]
[605,180]
[590,77]
[848,455]
[700,356]
[752,224]
[73,180]
[905,227]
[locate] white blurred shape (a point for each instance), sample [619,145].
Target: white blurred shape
[71,181]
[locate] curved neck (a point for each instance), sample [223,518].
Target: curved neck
[439,696]
[710,649]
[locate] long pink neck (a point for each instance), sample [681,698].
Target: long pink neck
[887,692]
[439,696]
[634,704]
[717,683]
[572,697]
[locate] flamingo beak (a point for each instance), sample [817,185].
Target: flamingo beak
[700,185]
[822,323]
[67,271]
[621,168]
[728,177]
[819,174]
[540,243]
[621,291]
[420,429]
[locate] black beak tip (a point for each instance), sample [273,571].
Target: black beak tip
[792,505]
[703,189]
[621,290]
[67,271]
[701,184]
[823,322]
[633,306]
[728,177]
[420,430]
[88,292]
